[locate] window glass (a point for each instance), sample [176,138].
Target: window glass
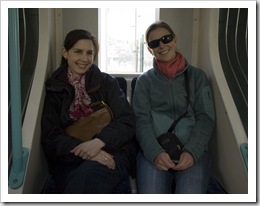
[122,39]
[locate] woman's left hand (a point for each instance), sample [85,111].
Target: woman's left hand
[88,149]
[105,158]
[186,161]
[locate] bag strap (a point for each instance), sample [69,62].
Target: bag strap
[188,102]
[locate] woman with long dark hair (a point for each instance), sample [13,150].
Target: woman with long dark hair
[102,163]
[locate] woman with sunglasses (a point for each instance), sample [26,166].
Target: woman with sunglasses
[159,98]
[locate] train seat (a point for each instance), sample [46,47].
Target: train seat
[123,84]
[133,82]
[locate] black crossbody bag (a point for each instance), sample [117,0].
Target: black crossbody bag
[169,141]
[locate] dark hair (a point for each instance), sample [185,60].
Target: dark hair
[155,25]
[75,35]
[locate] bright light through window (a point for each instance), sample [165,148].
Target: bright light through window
[122,39]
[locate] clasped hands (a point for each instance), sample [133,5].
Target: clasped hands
[164,162]
[91,150]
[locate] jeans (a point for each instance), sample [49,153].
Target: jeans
[193,180]
[91,177]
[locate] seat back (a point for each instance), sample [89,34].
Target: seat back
[133,82]
[123,84]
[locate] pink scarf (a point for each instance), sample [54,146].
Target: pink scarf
[172,68]
[79,106]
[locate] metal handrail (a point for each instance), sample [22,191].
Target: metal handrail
[19,154]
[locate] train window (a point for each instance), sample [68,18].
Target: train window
[122,44]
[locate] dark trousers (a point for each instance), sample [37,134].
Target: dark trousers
[91,177]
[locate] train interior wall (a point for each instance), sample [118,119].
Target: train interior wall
[228,164]
[197,41]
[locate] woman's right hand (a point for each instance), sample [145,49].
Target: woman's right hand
[104,158]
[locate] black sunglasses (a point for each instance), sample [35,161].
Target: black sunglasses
[164,39]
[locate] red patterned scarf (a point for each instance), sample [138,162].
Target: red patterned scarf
[79,106]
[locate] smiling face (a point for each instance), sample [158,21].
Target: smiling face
[164,52]
[80,57]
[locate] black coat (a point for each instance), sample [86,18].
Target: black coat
[118,135]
